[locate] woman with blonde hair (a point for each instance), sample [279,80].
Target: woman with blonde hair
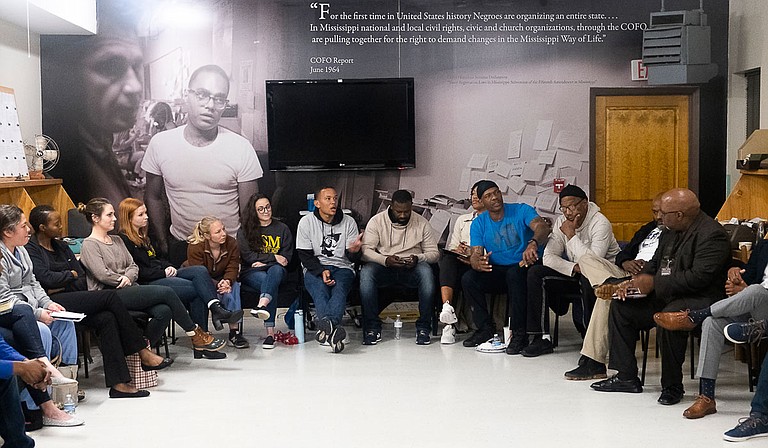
[109,265]
[211,247]
[192,284]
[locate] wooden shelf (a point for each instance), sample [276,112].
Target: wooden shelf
[27,194]
[748,198]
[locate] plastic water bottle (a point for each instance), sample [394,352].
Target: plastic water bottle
[298,317]
[69,404]
[496,342]
[398,327]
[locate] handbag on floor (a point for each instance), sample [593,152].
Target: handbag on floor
[139,378]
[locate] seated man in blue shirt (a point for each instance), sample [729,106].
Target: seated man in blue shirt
[505,240]
[32,372]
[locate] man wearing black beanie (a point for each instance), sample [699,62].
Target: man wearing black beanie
[505,240]
[579,230]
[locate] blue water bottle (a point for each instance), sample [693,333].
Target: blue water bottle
[298,317]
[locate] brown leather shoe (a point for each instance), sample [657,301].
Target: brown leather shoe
[674,321]
[701,407]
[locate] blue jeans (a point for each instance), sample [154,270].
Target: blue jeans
[760,400]
[330,301]
[374,276]
[231,300]
[267,283]
[11,417]
[195,288]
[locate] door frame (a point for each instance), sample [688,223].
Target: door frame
[692,92]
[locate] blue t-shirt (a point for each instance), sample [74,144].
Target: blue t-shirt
[506,239]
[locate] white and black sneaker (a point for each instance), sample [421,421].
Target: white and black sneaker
[372,337]
[324,330]
[260,313]
[269,343]
[238,341]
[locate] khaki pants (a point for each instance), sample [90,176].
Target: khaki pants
[597,270]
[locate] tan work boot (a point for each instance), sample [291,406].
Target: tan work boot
[205,341]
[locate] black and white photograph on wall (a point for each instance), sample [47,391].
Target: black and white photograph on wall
[500,91]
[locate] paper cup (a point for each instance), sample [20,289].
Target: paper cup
[507,335]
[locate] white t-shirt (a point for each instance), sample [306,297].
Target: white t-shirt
[202,181]
[649,245]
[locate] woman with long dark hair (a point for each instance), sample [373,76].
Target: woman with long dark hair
[266,247]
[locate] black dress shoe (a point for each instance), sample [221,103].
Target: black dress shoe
[166,362]
[114,393]
[208,354]
[614,384]
[671,395]
[477,338]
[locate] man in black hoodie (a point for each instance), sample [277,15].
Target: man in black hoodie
[328,243]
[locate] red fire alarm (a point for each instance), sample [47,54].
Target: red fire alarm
[558,184]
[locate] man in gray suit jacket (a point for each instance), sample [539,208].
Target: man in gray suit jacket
[688,271]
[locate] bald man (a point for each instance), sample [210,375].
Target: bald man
[688,271]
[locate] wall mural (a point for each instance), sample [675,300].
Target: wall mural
[501,88]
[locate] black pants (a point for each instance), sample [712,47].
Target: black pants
[508,279]
[451,270]
[538,309]
[161,303]
[118,334]
[11,416]
[629,317]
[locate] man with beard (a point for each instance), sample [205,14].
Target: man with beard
[328,243]
[398,248]
[505,240]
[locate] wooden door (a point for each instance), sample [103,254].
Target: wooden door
[641,145]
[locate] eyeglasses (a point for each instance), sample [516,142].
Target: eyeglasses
[203,96]
[264,209]
[664,214]
[572,207]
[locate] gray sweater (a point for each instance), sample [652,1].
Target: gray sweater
[106,263]
[18,283]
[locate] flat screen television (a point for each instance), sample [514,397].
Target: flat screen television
[340,124]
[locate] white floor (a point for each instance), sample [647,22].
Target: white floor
[395,394]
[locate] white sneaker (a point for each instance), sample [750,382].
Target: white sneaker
[448,316]
[449,335]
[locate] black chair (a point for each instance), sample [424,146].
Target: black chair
[559,292]
[83,333]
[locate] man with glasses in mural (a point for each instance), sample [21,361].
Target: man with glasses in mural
[580,230]
[200,168]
